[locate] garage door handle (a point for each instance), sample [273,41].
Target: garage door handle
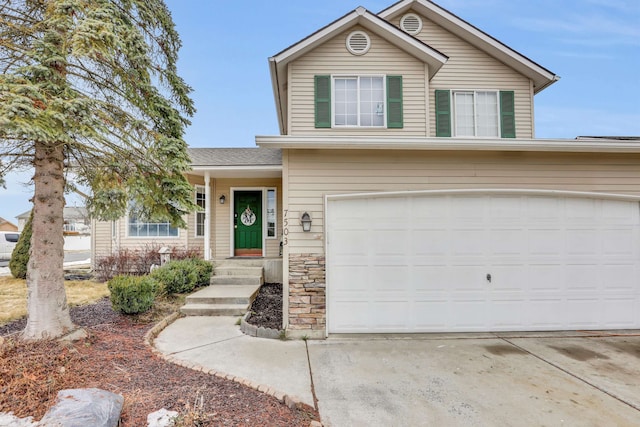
[489,278]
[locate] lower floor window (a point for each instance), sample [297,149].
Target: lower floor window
[271,213]
[139,228]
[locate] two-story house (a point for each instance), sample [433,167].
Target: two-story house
[406,191]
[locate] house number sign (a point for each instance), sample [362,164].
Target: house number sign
[248,218]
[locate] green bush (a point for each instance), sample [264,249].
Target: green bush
[132,294]
[20,254]
[203,269]
[177,277]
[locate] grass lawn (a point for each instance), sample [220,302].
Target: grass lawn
[13,295]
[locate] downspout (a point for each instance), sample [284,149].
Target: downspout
[207,216]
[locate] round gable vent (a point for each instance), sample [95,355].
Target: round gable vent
[358,43]
[411,23]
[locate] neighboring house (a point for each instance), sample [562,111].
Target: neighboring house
[76,220]
[7,226]
[407,139]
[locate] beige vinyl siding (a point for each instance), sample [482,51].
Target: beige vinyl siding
[332,58]
[314,174]
[470,68]
[101,241]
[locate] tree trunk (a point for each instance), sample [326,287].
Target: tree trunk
[48,313]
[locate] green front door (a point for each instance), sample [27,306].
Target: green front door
[248,223]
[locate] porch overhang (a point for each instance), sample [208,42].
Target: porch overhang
[237,171]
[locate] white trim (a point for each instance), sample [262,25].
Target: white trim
[198,188]
[357,77]
[474,92]
[450,144]
[351,49]
[501,191]
[541,77]
[266,220]
[128,236]
[207,217]
[407,16]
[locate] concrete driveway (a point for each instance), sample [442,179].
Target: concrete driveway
[524,379]
[528,380]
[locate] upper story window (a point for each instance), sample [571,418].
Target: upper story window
[481,114]
[358,101]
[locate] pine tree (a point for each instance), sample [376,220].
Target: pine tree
[20,254]
[90,87]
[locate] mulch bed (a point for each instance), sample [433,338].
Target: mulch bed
[266,309]
[115,358]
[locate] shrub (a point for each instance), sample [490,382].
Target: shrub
[20,254]
[132,294]
[137,262]
[203,269]
[177,277]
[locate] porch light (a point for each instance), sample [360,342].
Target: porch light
[305,220]
[222,199]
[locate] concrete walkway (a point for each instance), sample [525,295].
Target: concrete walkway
[217,343]
[431,379]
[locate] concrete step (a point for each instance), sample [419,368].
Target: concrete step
[214,310]
[238,271]
[229,294]
[228,300]
[236,280]
[235,262]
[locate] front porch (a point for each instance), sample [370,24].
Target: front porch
[235,282]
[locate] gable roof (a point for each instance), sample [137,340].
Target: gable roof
[4,221]
[278,63]
[69,212]
[541,77]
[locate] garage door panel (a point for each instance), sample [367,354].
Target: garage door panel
[389,279]
[468,241]
[583,241]
[429,242]
[545,241]
[618,241]
[353,315]
[352,242]
[583,313]
[470,315]
[622,312]
[621,277]
[389,242]
[392,316]
[508,314]
[420,263]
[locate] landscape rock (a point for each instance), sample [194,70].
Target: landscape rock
[161,418]
[10,420]
[84,407]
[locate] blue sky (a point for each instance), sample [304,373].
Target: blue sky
[593,45]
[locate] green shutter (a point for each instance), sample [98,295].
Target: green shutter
[322,86]
[443,113]
[507,115]
[394,102]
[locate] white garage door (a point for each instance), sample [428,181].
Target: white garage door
[482,262]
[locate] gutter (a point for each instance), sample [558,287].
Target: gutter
[447,144]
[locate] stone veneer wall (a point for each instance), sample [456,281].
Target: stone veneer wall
[307,300]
